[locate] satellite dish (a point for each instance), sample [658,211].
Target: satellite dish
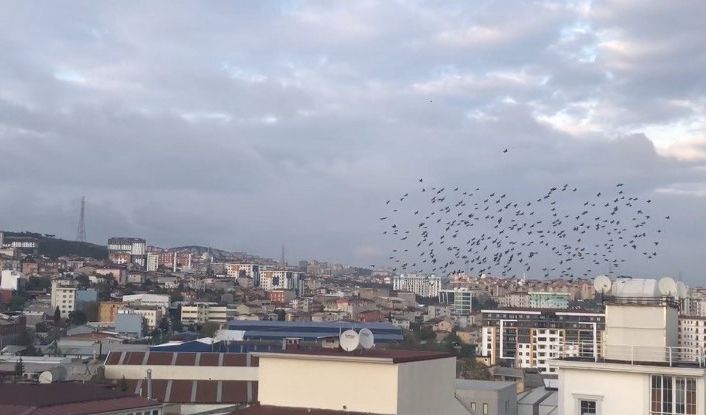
[367,339]
[667,287]
[602,284]
[682,290]
[349,340]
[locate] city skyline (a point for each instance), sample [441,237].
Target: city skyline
[242,127]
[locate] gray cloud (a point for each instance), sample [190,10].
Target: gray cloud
[247,125]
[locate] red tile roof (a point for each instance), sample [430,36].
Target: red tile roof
[67,398]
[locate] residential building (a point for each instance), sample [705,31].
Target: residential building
[379,381]
[204,312]
[281,279]
[514,300]
[108,310]
[530,338]
[125,251]
[11,280]
[119,274]
[63,295]
[460,300]
[643,369]
[238,270]
[152,261]
[426,286]
[542,299]
[152,316]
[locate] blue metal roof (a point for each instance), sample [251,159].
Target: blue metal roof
[308,330]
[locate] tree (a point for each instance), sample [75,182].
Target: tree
[77,317]
[57,314]
[209,329]
[19,368]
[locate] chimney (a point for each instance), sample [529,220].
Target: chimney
[149,383]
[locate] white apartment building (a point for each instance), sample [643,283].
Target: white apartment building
[252,271]
[63,295]
[151,315]
[152,261]
[427,286]
[643,370]
[691,333]
[280,279]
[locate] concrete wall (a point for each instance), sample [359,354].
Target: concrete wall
[619,393]
[329,384]
[182,372]
[428,387]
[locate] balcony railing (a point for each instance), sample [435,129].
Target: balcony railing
[634,355]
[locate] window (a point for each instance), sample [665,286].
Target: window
[473,407]
[485,408]
[671,395]
[587,407]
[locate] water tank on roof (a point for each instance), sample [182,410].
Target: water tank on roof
[635,287]
[55,374]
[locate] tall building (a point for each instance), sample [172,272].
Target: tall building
[460,300]
[531,338]
[128,251]
[281,280]
[152,261]
[643,369]
[426,286]
[63,295]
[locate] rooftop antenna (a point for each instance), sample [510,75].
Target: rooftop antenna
[349,340]
[81,231]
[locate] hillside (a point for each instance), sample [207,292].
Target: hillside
[53,247]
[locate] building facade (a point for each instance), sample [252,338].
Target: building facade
[63,295]
[460,300]
[125,251]
[531,338]
[427,286]
[544,299]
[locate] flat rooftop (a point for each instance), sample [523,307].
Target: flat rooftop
[483,385]
[391,355]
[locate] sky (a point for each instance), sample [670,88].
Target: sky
[247,125]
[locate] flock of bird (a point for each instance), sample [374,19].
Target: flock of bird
[447,230]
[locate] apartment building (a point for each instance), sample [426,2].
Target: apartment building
[63,295]
[237,270]
[281,280]
[643,369]
[427,286]
[460,300]
[544,299]
[530,338]
[203,312]
[125,251]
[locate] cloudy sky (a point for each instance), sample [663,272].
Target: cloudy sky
[245,125]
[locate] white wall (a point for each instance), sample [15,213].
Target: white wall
[182,372]
[328,384]
[622,393]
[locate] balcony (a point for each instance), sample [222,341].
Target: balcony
[634,355]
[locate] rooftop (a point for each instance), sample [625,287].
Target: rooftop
[389,355]
[484,385]
[283,410]
[66,398]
